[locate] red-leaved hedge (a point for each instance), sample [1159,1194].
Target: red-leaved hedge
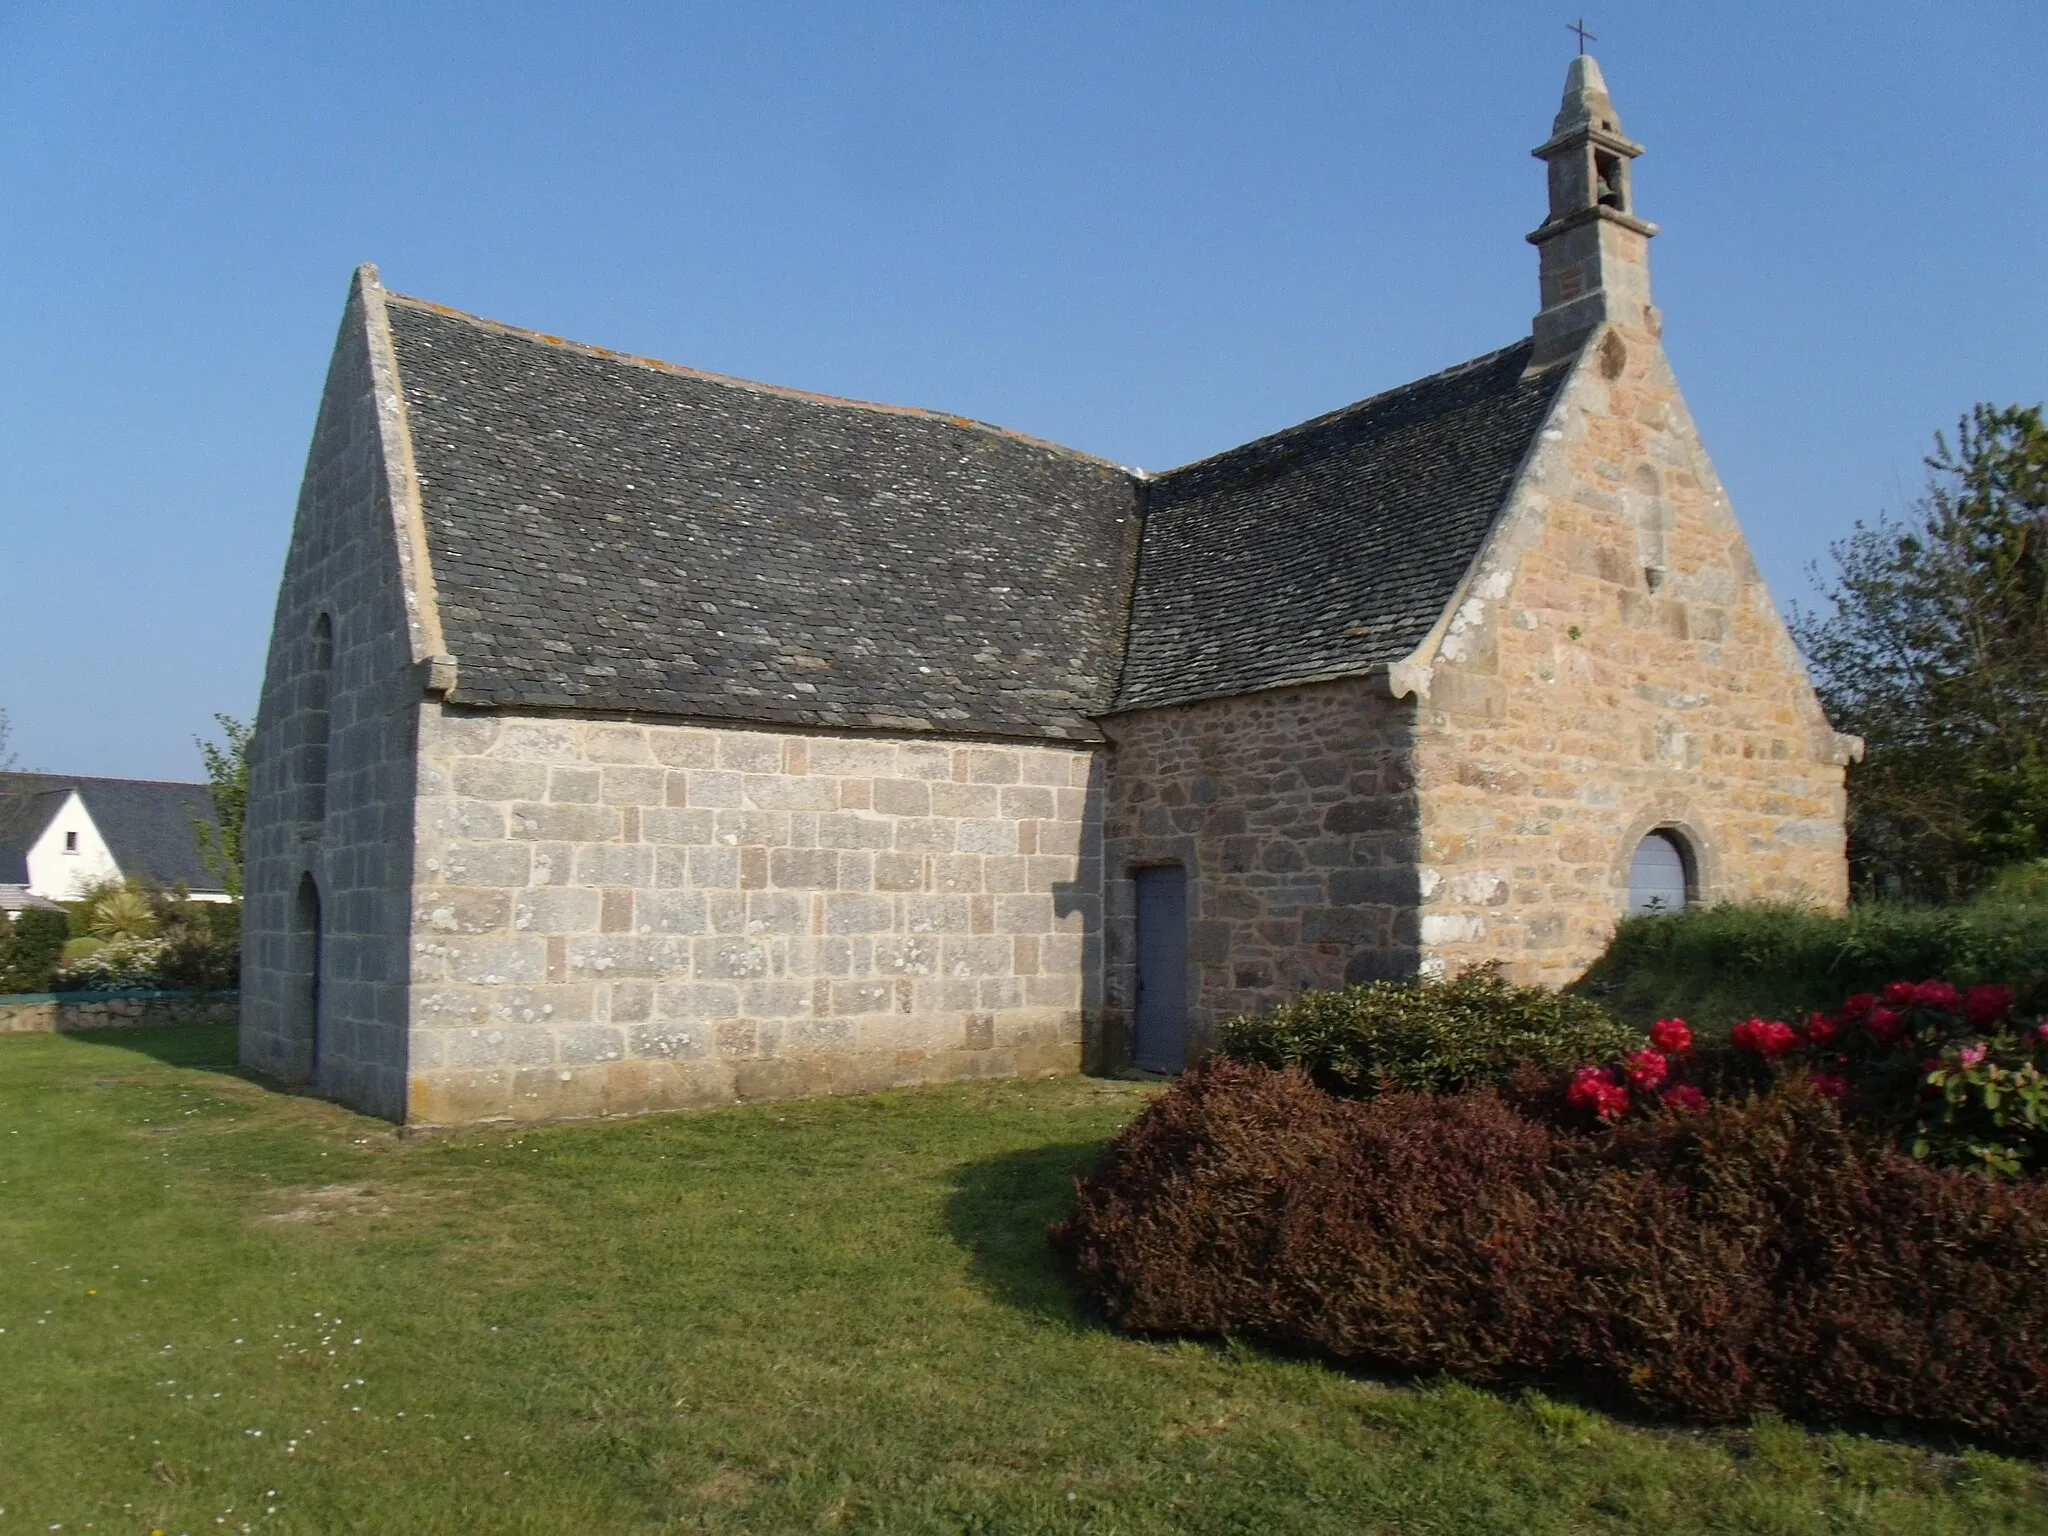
[1749,1254]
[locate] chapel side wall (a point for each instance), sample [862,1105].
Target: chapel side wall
[354,839]
[612,917]
[1617,665]
[1293,813]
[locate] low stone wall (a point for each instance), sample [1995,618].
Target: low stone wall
[22,1012]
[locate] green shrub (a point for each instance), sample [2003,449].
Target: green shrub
[1718,965]
[30,948]
[200,962]
[1758,1254]
[2018,885]
[1427,1036]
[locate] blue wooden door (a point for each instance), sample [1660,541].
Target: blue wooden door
[1160,1039]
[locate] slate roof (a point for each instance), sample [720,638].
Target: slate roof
[608,533]
[612,534]
[1331,547]
[146,823]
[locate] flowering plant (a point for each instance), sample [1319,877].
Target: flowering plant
[1949,1072]
[1768,1038]
[119,965]
[1604,1091]
[1599,1090]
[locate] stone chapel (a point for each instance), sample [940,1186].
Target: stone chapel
[635,738]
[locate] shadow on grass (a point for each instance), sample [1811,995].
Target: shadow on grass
[195,1047]
[999,1210]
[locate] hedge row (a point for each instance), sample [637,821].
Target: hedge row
[1756,1254]
[1718,965]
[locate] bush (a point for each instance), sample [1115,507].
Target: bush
[30,948]
[1427,1036]
[1754,1255]
[152,937]
[118,965]
[199,962]
[1718,965]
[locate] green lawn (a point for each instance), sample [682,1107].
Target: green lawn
[230,1309]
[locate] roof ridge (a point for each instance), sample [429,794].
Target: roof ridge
[97,778]
[1470,365]
[784,391]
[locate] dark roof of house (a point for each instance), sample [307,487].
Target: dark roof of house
[609,533]
[1331,547]
[147,824]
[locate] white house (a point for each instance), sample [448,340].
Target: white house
[60,833]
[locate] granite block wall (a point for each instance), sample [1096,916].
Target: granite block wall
[331,771]
[1617,665]
[615,917]
[1293,812]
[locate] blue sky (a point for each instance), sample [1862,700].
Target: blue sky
[1148,231]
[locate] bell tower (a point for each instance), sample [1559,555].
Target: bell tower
[1594,253]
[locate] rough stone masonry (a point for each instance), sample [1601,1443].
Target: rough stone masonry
[635,738]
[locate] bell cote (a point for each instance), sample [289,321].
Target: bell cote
[1593,252]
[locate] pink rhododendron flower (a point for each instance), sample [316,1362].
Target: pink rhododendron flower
[1985,1004]
[1646,1069]
[1938,994]
[1594,1088]
[1685,1096]
[1671,1036]
[1899,994]
[1764,1037]
[1855,1007]
[2041,1032]
[1830,1085]
[1820,1029]
[1887,1026]
[1971,1054]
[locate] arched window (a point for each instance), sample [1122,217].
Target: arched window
[1661,875]
[316,697]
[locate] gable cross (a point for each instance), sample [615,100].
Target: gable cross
[1585,37]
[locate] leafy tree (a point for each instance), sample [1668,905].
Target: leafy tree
[227,782]
[1932,644]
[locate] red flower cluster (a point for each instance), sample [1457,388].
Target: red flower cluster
[1671,1036]
[1887,1026]
[1887,1020]
[1924,994]
[1829,1085]
[1605,1090]
[1767,1038]
[1595,1088]
[1986,1004]
[1645,1069]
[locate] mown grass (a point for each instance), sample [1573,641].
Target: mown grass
[230,1309]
